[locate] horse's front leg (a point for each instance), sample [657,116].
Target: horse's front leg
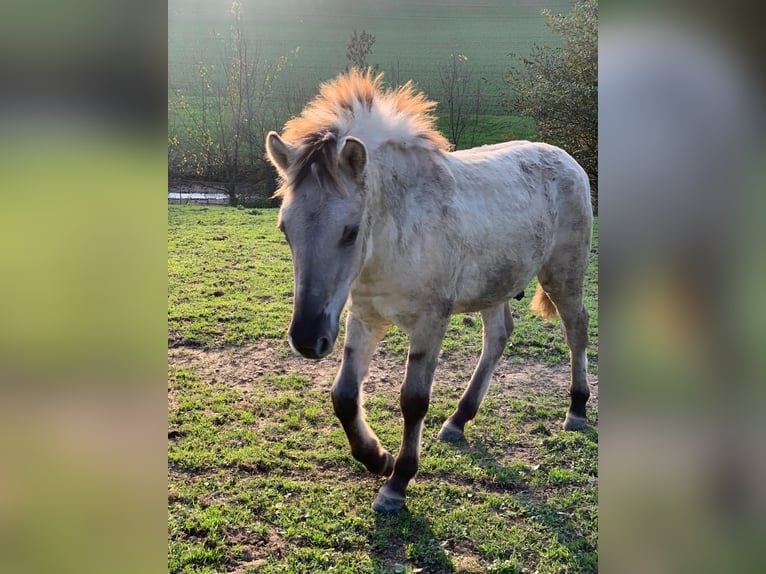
[358,348]
[425,342]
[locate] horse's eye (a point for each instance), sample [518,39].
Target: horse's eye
[349,235]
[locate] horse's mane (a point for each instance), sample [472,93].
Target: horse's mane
[355,103]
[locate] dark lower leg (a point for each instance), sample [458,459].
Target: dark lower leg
[359,346]
[579,391]
[414,409]
[498,326]
[469,403]
[578,400]
[392,494]
[365,446]
[425,343]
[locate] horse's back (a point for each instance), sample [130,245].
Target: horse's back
[521,204]
[524,163]
[523,180]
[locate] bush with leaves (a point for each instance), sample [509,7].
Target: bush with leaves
[559,87]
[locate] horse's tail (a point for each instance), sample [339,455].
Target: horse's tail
[542,304]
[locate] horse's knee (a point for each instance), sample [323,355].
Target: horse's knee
[583,321]
[576,330]
[497,348]
[345,403]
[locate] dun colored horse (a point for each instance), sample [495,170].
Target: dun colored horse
[378,212]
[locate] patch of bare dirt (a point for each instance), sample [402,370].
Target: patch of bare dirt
[243,366]
[255,550]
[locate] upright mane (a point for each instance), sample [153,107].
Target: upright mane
[355,103]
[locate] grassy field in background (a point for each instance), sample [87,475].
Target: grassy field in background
[413,41]
[416,36]
[260,477]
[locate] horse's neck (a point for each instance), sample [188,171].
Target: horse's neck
[410,185]
[409,207]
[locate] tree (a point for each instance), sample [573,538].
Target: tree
[358,48]
[462,105]
[559,87]
[226,114]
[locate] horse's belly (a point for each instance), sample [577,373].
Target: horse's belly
[477,291]
[487,299]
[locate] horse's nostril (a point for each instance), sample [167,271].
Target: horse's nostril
[324,346]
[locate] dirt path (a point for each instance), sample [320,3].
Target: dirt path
[243,366]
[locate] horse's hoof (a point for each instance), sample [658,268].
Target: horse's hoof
[387,502]
[450,433]
[575,423]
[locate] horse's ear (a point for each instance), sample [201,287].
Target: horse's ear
[352,159]
[279,152]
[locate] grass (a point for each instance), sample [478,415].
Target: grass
[269,484]
[260,475]
[491,129]
[230,276]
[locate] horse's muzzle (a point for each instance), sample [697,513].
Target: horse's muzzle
[316,349]
[313,339]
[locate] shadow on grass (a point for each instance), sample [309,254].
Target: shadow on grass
[404,541]
[537,497]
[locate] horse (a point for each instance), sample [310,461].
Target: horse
[382,217]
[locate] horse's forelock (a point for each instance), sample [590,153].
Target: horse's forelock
[315,133]
[316,156]
[340,101]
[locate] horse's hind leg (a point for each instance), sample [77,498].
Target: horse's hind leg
[576,328]
[498,326]
[566,295]
[360,343]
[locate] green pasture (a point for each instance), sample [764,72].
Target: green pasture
[260,475]
[414,40]
[413,37]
